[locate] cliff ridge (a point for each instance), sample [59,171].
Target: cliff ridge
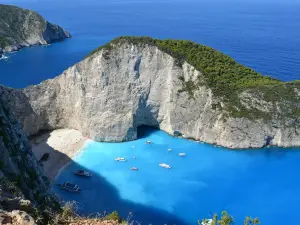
[168,84]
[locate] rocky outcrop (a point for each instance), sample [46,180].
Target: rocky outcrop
[16,217]
[22,28]
[23,186]
[118,88]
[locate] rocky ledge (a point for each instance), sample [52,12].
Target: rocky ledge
[22,28]
[168,84]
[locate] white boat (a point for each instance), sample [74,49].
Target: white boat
[3,57]
[134,168]
[148,142]
[169,150]
[207,222]
[82,173]
[182,154]
[165,165]
[134,157]
[120,159]
[132,146]
[67,186]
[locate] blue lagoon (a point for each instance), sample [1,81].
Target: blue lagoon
[209,179]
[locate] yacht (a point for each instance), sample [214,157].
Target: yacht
[134,168]
[82,173]
[148,142]
[120,159]
[67,186]
[182,154]
[165,165]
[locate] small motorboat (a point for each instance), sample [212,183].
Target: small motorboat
[120,159]
[169,150]
[67,186]
[133,146]
[182,154]
[148,142]
[82,173]
[134,157]
[134,168]
[165,165]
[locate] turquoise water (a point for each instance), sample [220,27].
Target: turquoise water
[209,179]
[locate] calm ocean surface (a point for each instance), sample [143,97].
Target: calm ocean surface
[264,35]
[209,179]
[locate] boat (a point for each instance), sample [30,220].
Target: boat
[148,142]
[207,222]
[67,186]
[82,173]
[132,146]
[182,154]
[134,157]
[3,57]
[120,159]
[165,165]
[134,168]
[169,150]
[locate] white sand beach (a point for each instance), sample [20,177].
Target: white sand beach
[62,145]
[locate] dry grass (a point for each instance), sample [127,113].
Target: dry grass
[69,216]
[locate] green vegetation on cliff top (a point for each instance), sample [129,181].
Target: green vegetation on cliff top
[226,77]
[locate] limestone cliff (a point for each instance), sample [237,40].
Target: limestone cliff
[22,28]
[135,81]
[22,184]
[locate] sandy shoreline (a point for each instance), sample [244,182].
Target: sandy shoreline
[62,145]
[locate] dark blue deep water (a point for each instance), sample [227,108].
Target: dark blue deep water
[262,34]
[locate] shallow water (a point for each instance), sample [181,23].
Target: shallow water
[209,179]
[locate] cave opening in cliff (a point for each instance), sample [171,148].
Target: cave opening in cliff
[145,131]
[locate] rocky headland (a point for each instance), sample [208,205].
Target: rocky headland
[168,84]
[23,28]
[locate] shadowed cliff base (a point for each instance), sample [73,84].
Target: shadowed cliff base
[54,149]
[91,203]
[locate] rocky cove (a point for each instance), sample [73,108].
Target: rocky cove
[130,82]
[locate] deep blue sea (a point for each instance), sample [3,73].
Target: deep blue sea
[262,34]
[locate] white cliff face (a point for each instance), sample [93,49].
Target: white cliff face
[108,95]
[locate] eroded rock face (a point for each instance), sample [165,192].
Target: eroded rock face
[108,95]
[20,174]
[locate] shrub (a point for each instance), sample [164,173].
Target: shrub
[114,216]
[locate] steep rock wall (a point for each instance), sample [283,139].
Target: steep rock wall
[109,94]
[18,166]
